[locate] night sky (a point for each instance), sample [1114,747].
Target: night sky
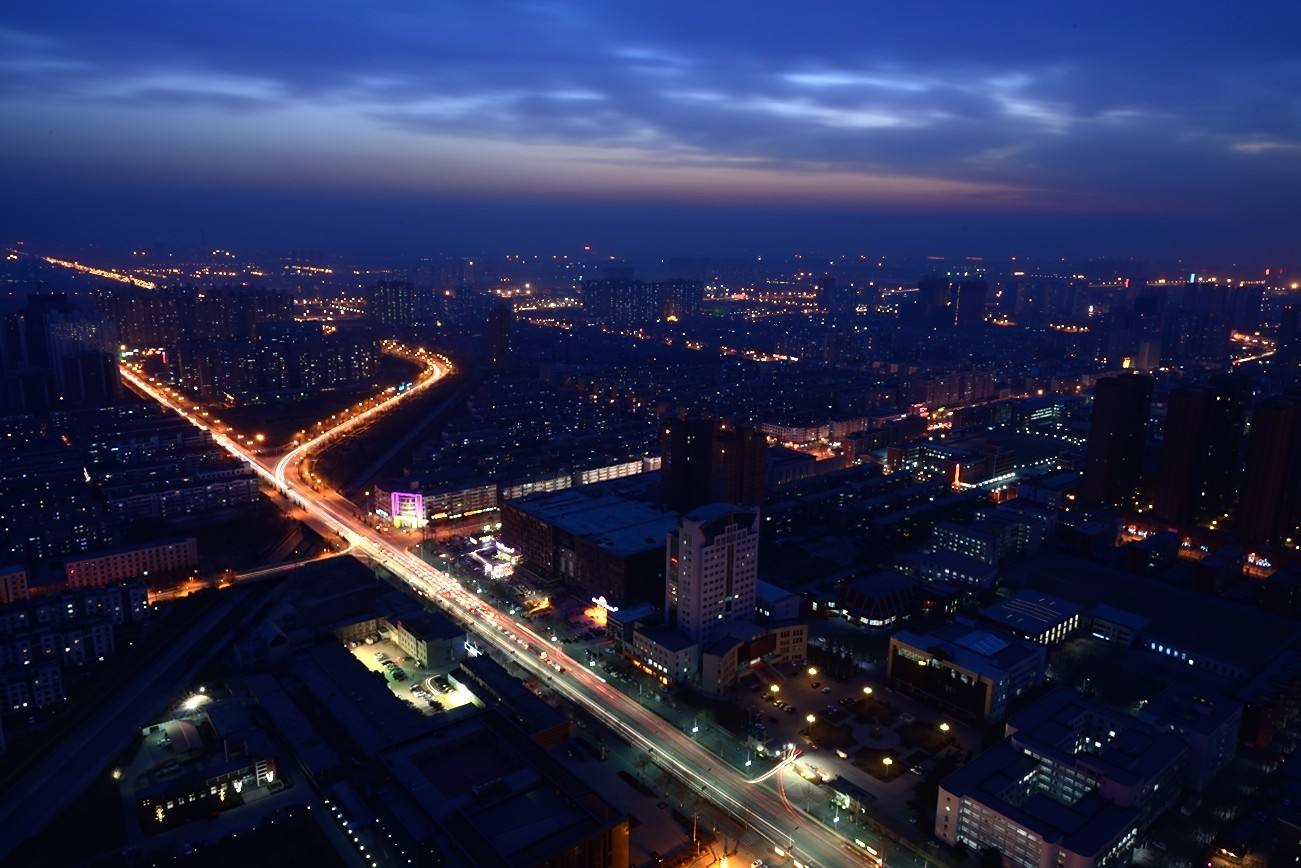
[1137,128]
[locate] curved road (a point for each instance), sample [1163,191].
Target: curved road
[791,832]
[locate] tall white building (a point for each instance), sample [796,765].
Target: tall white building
[713,569]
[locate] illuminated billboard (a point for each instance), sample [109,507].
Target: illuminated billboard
[407,509]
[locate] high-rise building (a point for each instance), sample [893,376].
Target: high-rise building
[56,355]
[837,299]
[1270,509]
[1288,342]
[710,460]
[971,303]
[713,569]
[1114,461]
[1199,461]
[394,303]
[624,302]
[501,319]
[930,305]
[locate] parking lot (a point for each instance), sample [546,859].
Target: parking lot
[862,731]
[419,687]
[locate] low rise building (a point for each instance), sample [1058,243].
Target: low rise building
[773,603]
[13,584]
[880,599]
[432,638]
[1036,616]
[1207,722]
[28,687]
[599,543]
[1116,625]
[170,558]
[965,671]
[726,658]
[1073,784]
[956,569]
[667,653]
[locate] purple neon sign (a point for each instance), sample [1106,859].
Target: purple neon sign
[399,499]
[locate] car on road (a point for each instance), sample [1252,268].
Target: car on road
[826,690]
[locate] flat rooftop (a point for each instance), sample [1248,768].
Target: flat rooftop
[496,796]
[1030,612]
[616,524]
[972,648]
[1193,621]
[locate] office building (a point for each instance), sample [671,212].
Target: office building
[1117,433]
[711,461]
[965,671]
[713,569]
[1199,460]
[1270,509]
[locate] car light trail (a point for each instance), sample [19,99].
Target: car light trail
[767,812]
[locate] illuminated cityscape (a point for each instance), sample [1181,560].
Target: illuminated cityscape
[577,435]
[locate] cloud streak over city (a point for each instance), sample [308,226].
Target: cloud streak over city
[855,106]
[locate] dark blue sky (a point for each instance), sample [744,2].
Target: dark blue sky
[1094,128]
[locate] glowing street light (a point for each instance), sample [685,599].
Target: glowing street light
[944,727]
[811,719]
[775,688]
[887,762]
[813,670]
[867,691]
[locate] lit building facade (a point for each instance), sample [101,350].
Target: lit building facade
[713,569]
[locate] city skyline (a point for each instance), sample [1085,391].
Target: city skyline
[570,435]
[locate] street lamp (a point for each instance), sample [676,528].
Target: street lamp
[944,727]
[813,670]
[867,691]
[887,762]
[775,688]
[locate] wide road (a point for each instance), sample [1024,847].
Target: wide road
[792,833]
